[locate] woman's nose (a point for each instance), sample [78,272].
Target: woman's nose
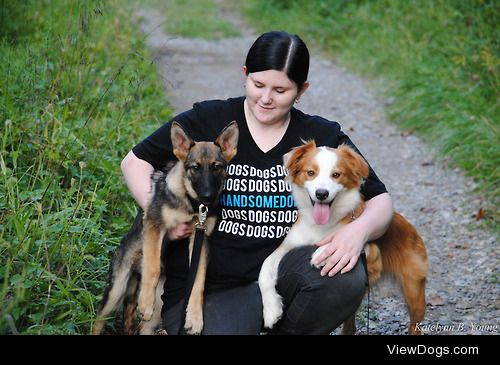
[266,97]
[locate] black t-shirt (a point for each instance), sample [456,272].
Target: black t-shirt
[256,207]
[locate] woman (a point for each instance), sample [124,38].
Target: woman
[256,208]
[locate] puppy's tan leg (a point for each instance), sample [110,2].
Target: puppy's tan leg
[130,306]
[194,310]
[151,267]
[129,317]
[114,298]
[151,327]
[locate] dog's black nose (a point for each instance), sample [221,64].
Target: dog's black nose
[206,199]
[322,194]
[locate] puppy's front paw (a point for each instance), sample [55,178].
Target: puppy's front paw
[194,322]
[273,310]
[316,253]
[145,308]
[145,313]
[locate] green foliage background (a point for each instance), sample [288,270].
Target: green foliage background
[76,93]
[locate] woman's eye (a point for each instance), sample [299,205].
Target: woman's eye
[259,86]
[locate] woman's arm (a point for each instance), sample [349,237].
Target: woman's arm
[344,246]
[137,174]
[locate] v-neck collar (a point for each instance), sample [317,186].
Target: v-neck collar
[278,149]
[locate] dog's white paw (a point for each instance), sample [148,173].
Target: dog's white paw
[273,310]
[193,324]
[316,253]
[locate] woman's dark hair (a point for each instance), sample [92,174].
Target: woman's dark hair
[280,51]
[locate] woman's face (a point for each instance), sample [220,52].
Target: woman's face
[270,95]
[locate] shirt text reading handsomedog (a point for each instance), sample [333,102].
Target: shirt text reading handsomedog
[254,204]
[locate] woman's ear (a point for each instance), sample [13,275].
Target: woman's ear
[245,76]
[303,89]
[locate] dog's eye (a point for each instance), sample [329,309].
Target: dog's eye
[336,175]
[217,166]
[195,167]
[310,173]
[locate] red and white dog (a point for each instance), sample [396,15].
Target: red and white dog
[326,188]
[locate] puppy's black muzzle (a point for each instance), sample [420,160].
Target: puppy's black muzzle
[208,187]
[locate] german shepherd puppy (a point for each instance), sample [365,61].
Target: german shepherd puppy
[135,276]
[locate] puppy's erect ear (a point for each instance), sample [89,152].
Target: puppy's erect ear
[228,140]
[180,141]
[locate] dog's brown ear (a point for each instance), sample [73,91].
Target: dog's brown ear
[286,158]
[356,163]
[292,159]
[228,140]
[180,141]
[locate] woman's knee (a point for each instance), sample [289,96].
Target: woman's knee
[296,266]
[315,303]
[233,311]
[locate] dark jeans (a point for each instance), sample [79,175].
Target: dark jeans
[314,304]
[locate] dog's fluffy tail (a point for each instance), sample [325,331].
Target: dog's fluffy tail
[401,253]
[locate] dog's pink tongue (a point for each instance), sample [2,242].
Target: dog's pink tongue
[321,213]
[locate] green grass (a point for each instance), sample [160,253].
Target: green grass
[77,92]
[438,59]
[195,19]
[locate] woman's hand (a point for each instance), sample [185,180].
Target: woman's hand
[183,230]
[341,249]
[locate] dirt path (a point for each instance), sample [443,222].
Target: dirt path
[463,289]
